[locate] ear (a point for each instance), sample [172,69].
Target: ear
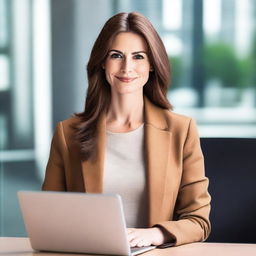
[103,66]
[151,69]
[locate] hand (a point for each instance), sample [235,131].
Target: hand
[139,237]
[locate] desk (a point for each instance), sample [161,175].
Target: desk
[14,246]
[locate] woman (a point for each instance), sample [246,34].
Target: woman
[127,140]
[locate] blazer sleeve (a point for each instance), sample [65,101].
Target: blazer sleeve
[191,215]
[55,170]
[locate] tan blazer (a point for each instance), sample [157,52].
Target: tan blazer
[177,187]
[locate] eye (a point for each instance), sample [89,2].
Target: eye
[116,56]
[138,57]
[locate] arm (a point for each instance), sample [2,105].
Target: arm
[55,171]
[191,214]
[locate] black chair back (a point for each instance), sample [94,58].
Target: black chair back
[230,165]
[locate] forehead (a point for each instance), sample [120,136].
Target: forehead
[129,42]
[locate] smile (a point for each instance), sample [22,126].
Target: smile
[126,79]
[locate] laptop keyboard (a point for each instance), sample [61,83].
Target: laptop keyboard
[138,250]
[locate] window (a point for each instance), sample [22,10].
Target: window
[212,49]
[214,80]
[20,104]
[5,59]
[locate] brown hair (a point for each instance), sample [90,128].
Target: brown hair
[98,93]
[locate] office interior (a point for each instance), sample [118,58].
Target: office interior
[44,48]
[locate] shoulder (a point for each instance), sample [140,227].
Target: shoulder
[67,128]
[70,123]
[180,125]
[176,120]
[165,119]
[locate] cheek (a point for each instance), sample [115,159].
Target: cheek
[109,70]
[143,68]
[108,77]
[144,75]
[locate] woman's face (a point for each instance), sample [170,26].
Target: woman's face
[127,65]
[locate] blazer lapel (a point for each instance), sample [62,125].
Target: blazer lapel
[93,168]
[157,152]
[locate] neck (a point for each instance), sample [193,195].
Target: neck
[125,112]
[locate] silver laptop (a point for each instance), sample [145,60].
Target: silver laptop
[76,222]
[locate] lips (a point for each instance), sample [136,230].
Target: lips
[126,79]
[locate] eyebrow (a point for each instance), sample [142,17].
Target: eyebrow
[133,53]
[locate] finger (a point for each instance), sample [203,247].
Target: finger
[147,243]
[141,243]
[135,242]
[131,236]
[130,230]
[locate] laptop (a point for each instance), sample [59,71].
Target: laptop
[76,223]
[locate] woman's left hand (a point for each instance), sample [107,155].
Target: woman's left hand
[139,237]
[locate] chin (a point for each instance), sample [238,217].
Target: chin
[129,90]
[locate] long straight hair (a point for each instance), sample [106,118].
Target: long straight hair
[98,93]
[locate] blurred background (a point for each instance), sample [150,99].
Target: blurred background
[44,49]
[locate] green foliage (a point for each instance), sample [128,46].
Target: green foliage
[176,71]
[246,71]
[253,61]
[221,62]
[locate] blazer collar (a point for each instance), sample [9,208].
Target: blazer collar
[157,147]
[93,168]
[154,115]
[157,158]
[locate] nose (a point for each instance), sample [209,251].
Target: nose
[127,65]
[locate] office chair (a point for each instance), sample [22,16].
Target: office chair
[230,164]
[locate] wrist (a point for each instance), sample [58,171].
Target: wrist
[159,236]
[166,236]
